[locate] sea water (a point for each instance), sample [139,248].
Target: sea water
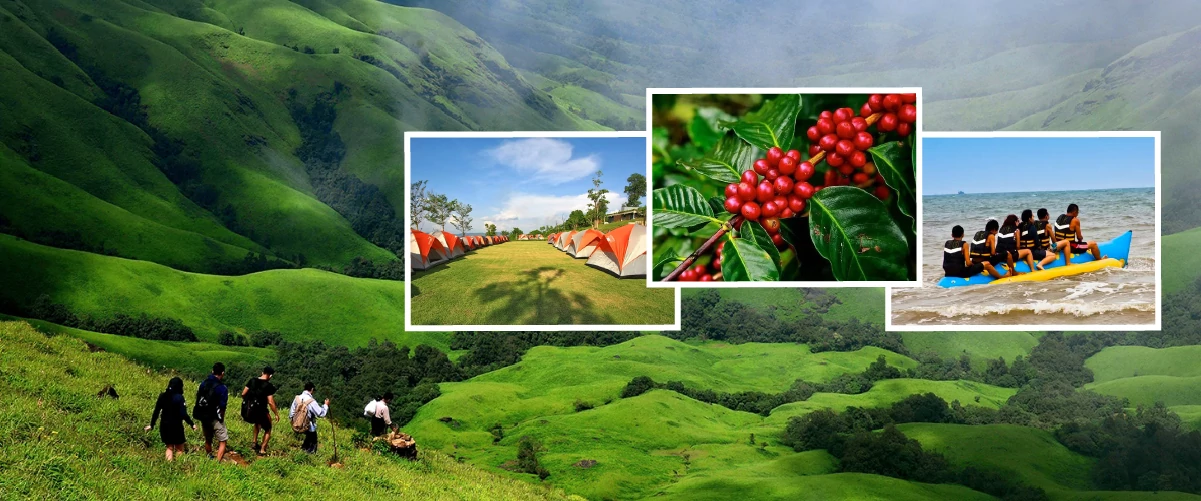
[1114,296]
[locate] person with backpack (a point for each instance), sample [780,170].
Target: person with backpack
[258,403]
[211,399]
[377,411]
[174,411]
[304,414]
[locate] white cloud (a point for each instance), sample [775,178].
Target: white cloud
[529,211]
[548,159]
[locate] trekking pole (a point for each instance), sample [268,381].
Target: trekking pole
[334,432]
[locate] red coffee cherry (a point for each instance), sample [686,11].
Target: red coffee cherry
[783,185]
[750,210]
[875,102]
[764,192]
[699,269]
[835,160]
[882,192]
[771,224]
[825,114]
[857,159]
[706,278]
[887,123]
[844,130]
[750,177]
[733,205]
[813,133]
[793,154]
[892,102]
[687,276]
[731,190]
[846,170]
[796,203]
[769,209]
[786,213]
[814,149]
[746,191]
[863,140]
[781,201]
[860,178]
[804,171]
[844,147]
[830,178]
[772,174]
[805,190]
[778,240]
[859,124]
[909,98]
[760,166]
[774,154]
[825,126]
[828,142]
[907,113]
[842,114]
[865,111]
[869,168]
[903,128]
[787,165]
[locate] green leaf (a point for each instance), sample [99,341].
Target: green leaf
[743,261]
[718,204]
[896,166]
[773,124]
[704,129]
[755,232]
[680,206]
[726,162]
[852,229]
[666,265]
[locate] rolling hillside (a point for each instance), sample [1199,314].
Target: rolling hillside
[1145,376]
[61,441]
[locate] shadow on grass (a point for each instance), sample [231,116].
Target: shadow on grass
[533,293]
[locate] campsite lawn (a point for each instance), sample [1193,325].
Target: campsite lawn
[532,283]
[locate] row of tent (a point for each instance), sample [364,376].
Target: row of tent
[621,251]
[527,236]
[426,250]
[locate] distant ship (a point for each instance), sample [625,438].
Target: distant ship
[960,192]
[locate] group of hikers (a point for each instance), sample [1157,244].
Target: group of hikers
[1017,239]
[258,408]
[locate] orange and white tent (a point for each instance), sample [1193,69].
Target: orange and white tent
[584,242]
[564,239]
[453,244]
[425,250]
[551,239]
[622,251]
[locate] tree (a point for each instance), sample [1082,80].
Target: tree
[462,218]
[440,209]
[514,233]
[490,229]
[635,190]
[419,203]
[599,206]
[575,220]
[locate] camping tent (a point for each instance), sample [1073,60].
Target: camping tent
[584,242]
[425,250]
[564,239]
[454,245]
[551,239]
[622,251]
[490,240]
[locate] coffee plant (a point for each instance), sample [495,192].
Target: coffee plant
[784,188]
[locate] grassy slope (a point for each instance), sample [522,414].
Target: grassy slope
[534,284]
[638,442]
[1180,260]
[60,441]
[303,304]
[1148,375]
[1031,455]
[980,346]
[887,392]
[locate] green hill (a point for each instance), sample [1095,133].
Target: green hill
[1147,390]
[1180,260]
[61,441]
[1117,362]
[303,304]
[980,346]
[890,391]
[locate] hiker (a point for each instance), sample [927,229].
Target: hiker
[983,249]
[173,411]
[304,414]
[211,399]
[957,260]
[258,403]
[1067,227]
[380,415]
[1009,242]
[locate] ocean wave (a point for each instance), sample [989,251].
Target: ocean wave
[1141,264]
[1078,309]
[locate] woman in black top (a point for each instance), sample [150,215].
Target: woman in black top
[172,408]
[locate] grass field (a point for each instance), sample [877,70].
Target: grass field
[1118,362]
[61,442]
[532,283]
[980,346]
[304,304]
[887,392]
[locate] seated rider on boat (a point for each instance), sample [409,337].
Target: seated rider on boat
[1067,227]
[957,261]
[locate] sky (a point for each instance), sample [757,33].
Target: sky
[524,182]
[1006,165]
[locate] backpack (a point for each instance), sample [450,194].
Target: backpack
[369,411]
[301,420]
[252,405]
[205,408]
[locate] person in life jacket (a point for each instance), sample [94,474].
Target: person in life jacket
[957,260]
[1067,227]
[984,247]
[1008,243]
[1035,238]
[1046,238]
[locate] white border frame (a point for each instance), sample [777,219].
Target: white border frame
[1158,325]
[545,328]
[650,93]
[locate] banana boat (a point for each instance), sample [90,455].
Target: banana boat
[1117,252]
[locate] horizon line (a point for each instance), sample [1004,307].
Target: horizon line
[1034,191]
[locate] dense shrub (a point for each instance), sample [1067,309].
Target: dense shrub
[231,338]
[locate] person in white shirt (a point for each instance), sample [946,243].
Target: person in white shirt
[315,411]
[379,414]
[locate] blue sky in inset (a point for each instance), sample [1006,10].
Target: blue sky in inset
[1011,164]
[525,182]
